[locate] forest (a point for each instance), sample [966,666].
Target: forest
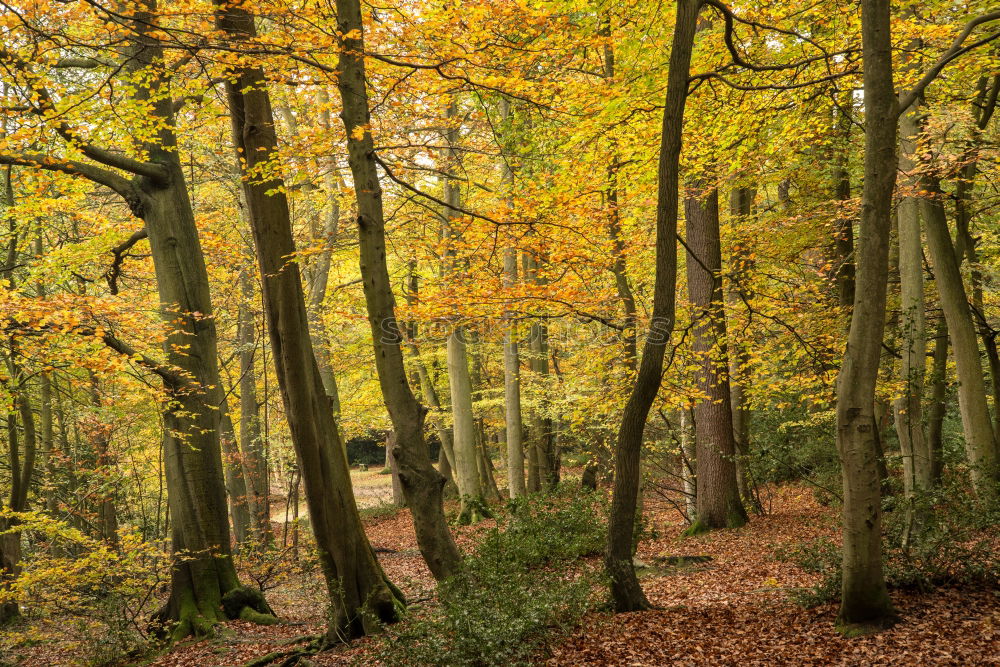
[499,332]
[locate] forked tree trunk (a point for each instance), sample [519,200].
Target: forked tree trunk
[864,598]
[718,500]
[361,595]
[422,484]
[626,592]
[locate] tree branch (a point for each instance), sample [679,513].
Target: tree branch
[109,179]
[120,251]
[957,49]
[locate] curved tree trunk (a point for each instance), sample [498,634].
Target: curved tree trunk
[625,589]
[422,484]
[358,589]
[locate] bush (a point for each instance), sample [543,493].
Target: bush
[108,591]
[956,547]
[518,588]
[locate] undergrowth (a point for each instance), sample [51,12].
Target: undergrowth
[518,590]
[956,546]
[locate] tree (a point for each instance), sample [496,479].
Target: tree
[864,599]
[718,497]
[422,484]
[625,589]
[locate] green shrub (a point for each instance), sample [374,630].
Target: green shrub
[955,547]
[518,589]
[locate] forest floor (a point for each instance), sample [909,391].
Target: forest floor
[731,610]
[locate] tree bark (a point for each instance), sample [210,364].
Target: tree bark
[361,594]
[422,484]
[240,510]
[980,444]
[513,421]
[864,598]
[938,404]
[718,499]
[626,592]
[252,446]
[909,405]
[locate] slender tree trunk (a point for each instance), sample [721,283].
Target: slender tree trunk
[390,464]
[252,446]
[422,484]
[240,509]
[689,462]
[100,434]
[909,406]
[511,358]
[842,248]
[625,589]
[466,461]
[719,503]
[541,445]
[741,205]
[466,457]
[361,594]
[864,598]
[980,443]
[938,404]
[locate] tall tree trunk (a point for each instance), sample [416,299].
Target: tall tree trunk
[864,598]
[718,499]
[100,435]
[252,446]
[360,593]
[741,208]
[842,248]
[466,457]
[983,108]
[625,589]
[980,443]
[390,465]
[511,358]
[459,380]
[542,454]
[909,406]
[192,453]
[422,484]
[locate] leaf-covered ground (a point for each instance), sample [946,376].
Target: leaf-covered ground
[731,610]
